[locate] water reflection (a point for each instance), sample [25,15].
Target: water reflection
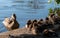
[21,4]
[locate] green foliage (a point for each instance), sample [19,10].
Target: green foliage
[55,11]
[50,11]
[57,1]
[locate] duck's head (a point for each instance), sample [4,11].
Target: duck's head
[13,16]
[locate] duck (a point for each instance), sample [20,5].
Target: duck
[11,23]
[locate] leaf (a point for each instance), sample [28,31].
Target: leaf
[57,1]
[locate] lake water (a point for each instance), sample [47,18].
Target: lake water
[24,10]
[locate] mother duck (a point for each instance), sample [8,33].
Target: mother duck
[11,23]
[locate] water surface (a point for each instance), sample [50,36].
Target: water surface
[24,10]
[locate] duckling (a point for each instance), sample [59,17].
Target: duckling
[35,28]
[29,25]
[48,23]
[34,21]
[29,22]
